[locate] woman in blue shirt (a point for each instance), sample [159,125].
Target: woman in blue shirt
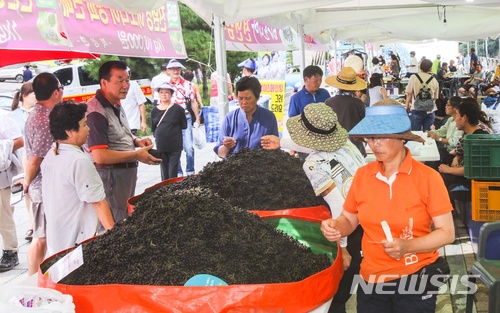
[243,127]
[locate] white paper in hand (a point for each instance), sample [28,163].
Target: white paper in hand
[387,231]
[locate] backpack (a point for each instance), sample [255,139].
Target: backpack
[424,101]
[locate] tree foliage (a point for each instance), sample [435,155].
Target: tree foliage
[200,49]
[493,48]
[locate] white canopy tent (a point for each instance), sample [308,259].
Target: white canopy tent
[362,21]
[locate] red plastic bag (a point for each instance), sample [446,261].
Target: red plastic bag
[301,296]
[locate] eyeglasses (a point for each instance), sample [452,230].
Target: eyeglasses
[375,139]
[60,88]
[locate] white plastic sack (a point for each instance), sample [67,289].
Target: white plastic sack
[199,137]
[493,113]
[26,299]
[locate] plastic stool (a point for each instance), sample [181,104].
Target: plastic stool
[487,267]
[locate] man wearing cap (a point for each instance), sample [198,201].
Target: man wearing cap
[310,93]
[404,209]
[248,67]
[110,140]
[184,96]
[11,140]
[412,68]
[330,166]
[349,110]
[157,81]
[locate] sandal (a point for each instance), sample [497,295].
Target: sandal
[29,235]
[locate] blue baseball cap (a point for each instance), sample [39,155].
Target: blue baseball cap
[248,63]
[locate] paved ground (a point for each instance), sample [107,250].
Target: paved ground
[460,254]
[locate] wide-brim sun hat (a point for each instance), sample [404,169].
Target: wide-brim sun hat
[355,62]
[346,80]
[317,128]
[387,119]
[174,63]
[165,86]
[248,63]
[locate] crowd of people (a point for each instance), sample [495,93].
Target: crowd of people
[77,155]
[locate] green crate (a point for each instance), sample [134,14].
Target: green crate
[482,157]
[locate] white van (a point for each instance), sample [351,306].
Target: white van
[80,87]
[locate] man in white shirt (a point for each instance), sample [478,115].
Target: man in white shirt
[134,106]
[412,68]
[157,81]
[11,140]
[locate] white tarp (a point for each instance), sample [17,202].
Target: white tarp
[359,20]
[364,21]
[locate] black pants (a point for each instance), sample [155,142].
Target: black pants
[169,164]
[392,301]
[344,291]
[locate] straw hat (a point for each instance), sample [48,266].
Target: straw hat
[317,128]
[346,80]
[388,119]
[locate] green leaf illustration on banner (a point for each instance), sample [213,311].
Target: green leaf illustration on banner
[47,4]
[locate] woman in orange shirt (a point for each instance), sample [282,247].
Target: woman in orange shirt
[396,200]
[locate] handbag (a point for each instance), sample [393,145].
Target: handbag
[188,103]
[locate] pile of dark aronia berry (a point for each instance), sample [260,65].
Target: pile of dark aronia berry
[202,225]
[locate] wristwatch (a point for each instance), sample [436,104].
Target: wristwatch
[440,139]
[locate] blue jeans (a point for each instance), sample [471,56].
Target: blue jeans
[188,146]
[420,120]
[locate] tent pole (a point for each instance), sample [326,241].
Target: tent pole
[302,47]
[486,50]
[335,57]
[221,65]
[468,51]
